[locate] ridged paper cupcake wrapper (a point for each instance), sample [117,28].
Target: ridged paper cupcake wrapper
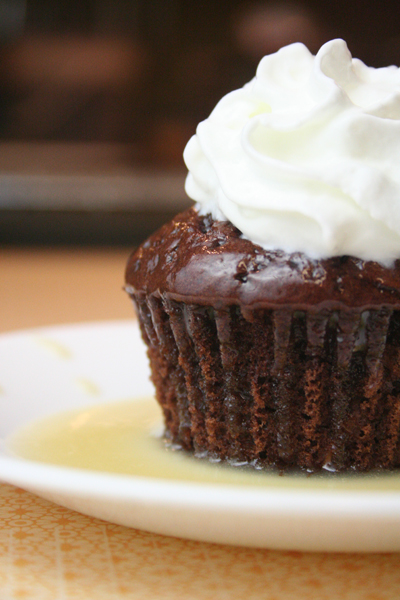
[288,388]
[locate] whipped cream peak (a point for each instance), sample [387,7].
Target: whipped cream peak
[306,156]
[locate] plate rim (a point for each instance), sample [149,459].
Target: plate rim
[135,486]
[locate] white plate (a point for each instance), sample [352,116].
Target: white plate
[39,373]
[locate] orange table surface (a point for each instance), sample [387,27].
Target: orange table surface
[49,552]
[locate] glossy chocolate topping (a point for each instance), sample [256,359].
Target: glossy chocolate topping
[198,260]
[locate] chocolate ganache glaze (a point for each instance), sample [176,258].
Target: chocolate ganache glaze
[196,259]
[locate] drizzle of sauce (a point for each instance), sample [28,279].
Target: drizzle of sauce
[126,438]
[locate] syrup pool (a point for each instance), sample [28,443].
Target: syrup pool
[126,438]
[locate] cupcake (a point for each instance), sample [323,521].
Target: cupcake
[271,309]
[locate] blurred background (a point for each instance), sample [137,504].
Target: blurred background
[99,97]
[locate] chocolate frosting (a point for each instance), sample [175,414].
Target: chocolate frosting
[195,259]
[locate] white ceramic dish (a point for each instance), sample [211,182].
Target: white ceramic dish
[48,370]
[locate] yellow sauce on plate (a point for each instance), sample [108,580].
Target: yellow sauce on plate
[126,438]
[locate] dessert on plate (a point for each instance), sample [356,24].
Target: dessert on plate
[271,309]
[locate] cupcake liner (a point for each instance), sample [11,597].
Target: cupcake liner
[277,387]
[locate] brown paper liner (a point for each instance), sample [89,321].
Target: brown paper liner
[283,388]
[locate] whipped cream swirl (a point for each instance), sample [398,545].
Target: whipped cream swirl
[306,156]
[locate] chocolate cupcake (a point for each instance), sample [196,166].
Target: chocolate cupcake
[271,310]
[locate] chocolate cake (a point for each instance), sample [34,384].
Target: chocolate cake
[271,310]
[268,357]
